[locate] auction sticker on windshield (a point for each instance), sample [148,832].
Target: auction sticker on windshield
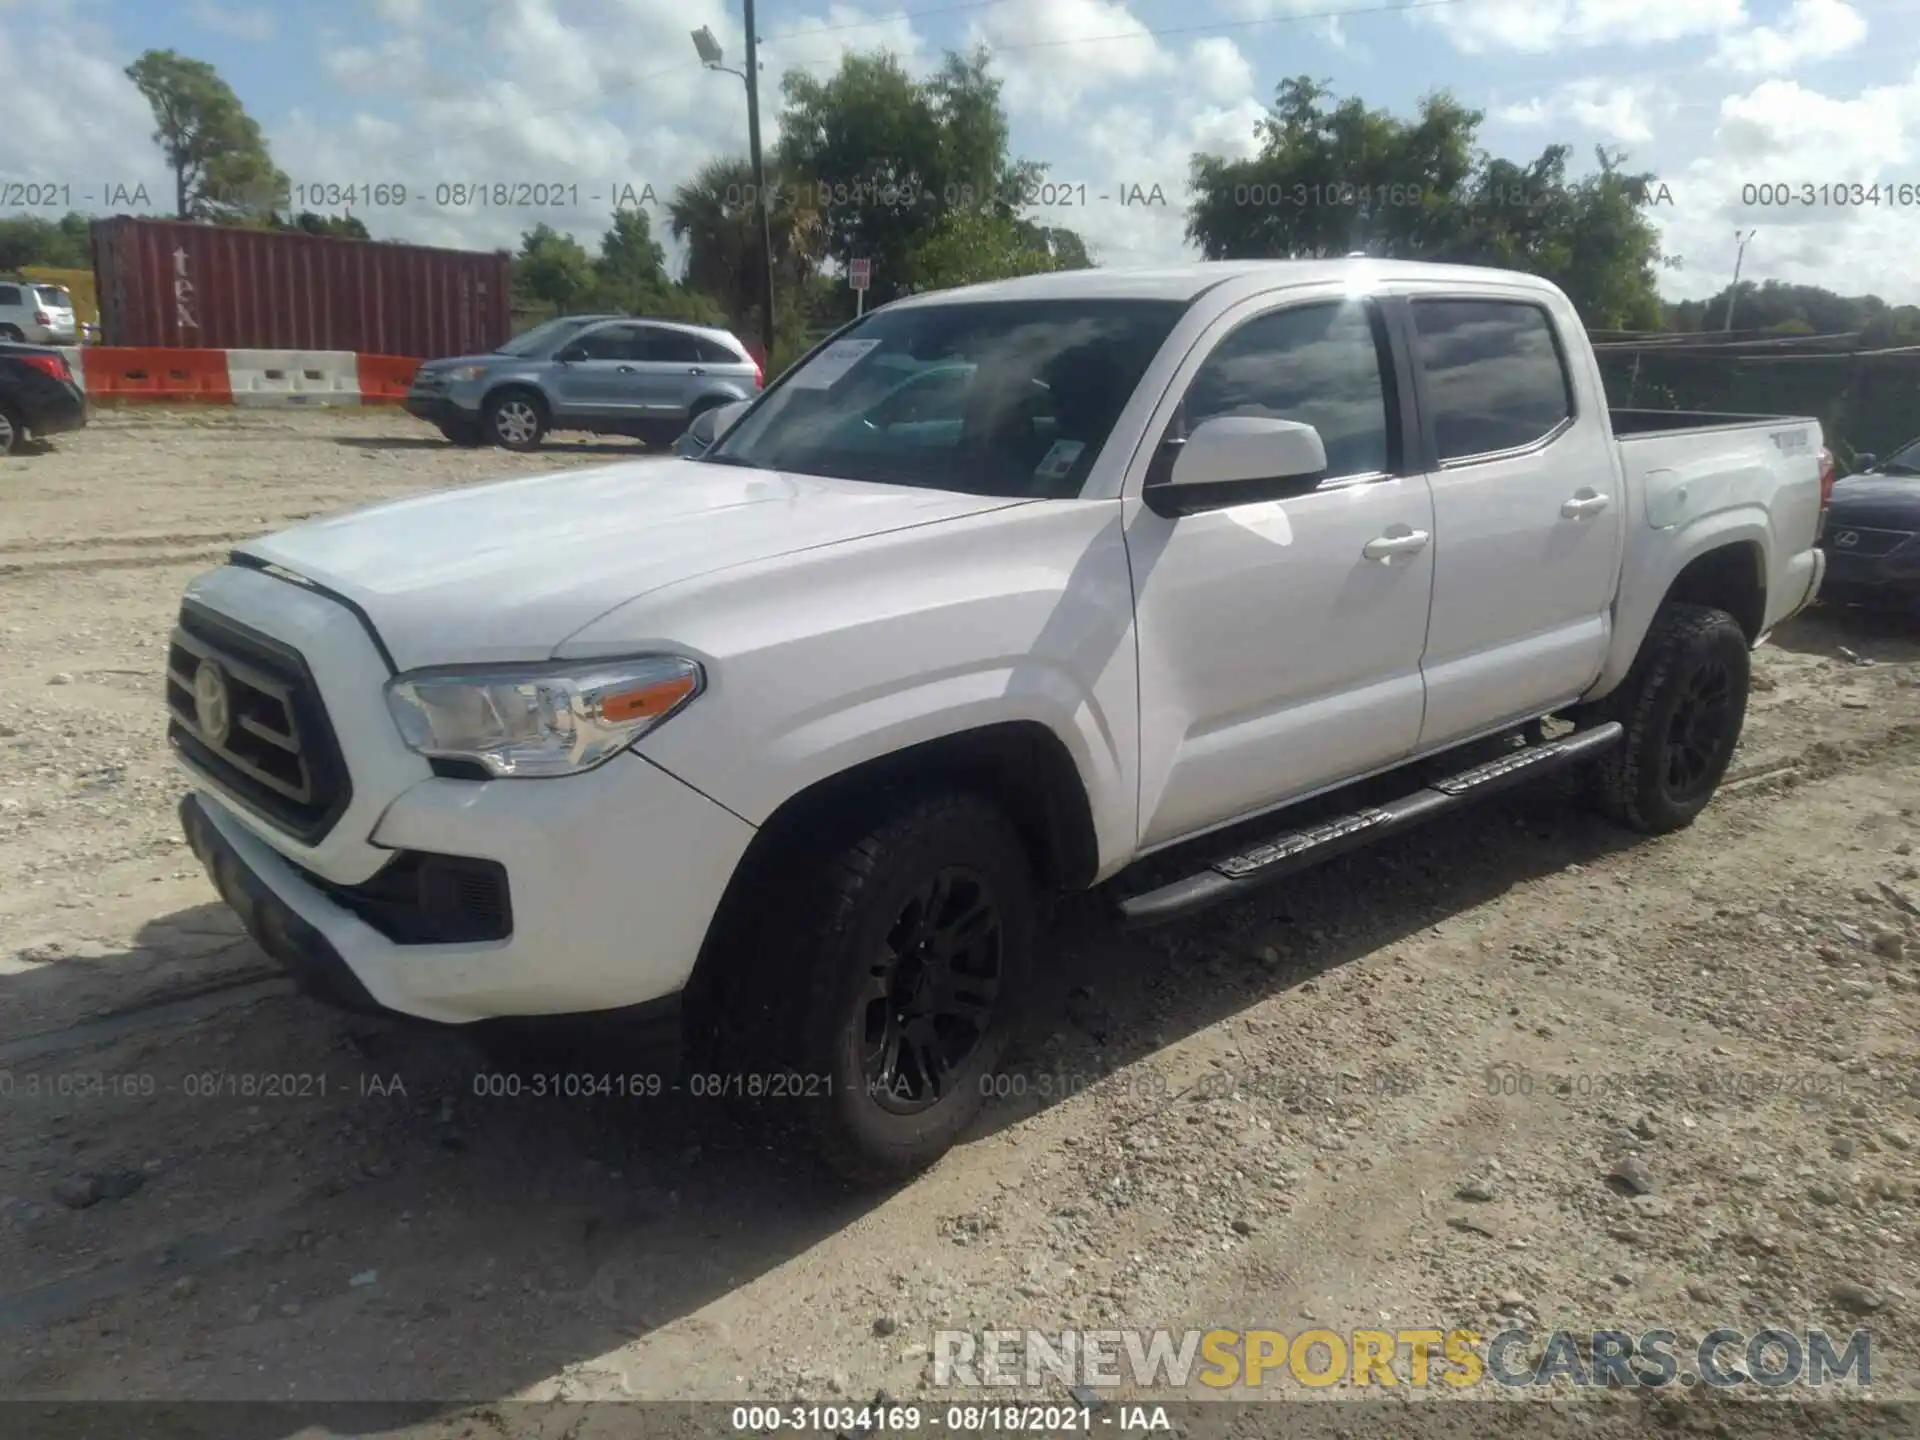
[831,363]
[1055,464]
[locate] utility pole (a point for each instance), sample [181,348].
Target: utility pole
[759,184]
[710,55]
[1733,294]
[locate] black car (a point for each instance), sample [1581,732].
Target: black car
[38,395]
[1872,532]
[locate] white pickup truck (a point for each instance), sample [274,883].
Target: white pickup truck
[1086,579]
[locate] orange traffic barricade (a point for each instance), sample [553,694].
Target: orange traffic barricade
[127,375]
[385,379]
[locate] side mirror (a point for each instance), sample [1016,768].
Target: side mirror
[1236,460]
[572,354]
[1865,460]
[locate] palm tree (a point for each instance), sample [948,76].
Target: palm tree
[713,215]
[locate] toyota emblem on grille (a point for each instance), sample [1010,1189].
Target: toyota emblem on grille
[212,708]
[1847,539]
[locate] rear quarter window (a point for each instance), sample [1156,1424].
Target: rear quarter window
[1494,376]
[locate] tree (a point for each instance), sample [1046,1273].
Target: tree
[221,166]
[1333,177]
[552,270]
[629,255]
[30,240]
[971,247]
[890,161]
[713,216]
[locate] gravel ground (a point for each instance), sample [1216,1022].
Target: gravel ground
[1520,1067]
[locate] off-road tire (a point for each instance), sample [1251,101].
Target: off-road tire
[12,334]
[831,917]
[1636,783]
[13,430]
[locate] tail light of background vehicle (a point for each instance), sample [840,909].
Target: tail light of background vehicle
[1826,491]
[759,377]
[40,317]
[54,365]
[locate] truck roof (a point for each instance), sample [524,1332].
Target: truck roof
[1184,282]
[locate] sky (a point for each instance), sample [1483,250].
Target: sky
[558,108]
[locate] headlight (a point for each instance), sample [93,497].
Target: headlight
[465,372]
[534,720]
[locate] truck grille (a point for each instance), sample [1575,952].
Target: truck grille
[244,709]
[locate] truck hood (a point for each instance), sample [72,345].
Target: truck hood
[508,571]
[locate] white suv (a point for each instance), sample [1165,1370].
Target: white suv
[37,314]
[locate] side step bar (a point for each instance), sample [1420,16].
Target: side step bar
[1296,850]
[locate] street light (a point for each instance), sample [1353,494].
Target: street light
[710,53]
[1733,294]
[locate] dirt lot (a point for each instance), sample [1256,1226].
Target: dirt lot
[1508,1006]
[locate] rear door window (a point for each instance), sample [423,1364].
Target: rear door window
[10,295]
[1495,378]
[712,352]
[669,347]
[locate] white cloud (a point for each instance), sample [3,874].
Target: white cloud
[1812,30]
[1218,71]
[1538,26]
[243,22]
[404,13]
[1785,143]
[1617,112]
[1051,56]
[71,118]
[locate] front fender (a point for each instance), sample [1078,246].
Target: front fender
[821,661]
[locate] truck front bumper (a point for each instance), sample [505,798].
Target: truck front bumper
[614,878]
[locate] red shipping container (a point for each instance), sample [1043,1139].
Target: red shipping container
[171,284]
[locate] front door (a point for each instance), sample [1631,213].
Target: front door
[601,380]
[1280,640]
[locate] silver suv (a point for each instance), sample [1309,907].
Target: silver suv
[37,314]
[606,374]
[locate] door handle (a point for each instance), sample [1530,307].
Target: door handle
[1583,504]
[623,369]
[1385,547]
[695,370]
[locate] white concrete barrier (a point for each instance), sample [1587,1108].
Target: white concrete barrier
[294,377]
[75,364]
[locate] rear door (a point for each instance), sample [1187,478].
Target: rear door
[672,372]
[1527,509]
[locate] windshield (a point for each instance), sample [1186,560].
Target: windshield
[545,335]
[988,398]
[53,295]
[1904,461]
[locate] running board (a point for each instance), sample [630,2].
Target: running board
[1296,850]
